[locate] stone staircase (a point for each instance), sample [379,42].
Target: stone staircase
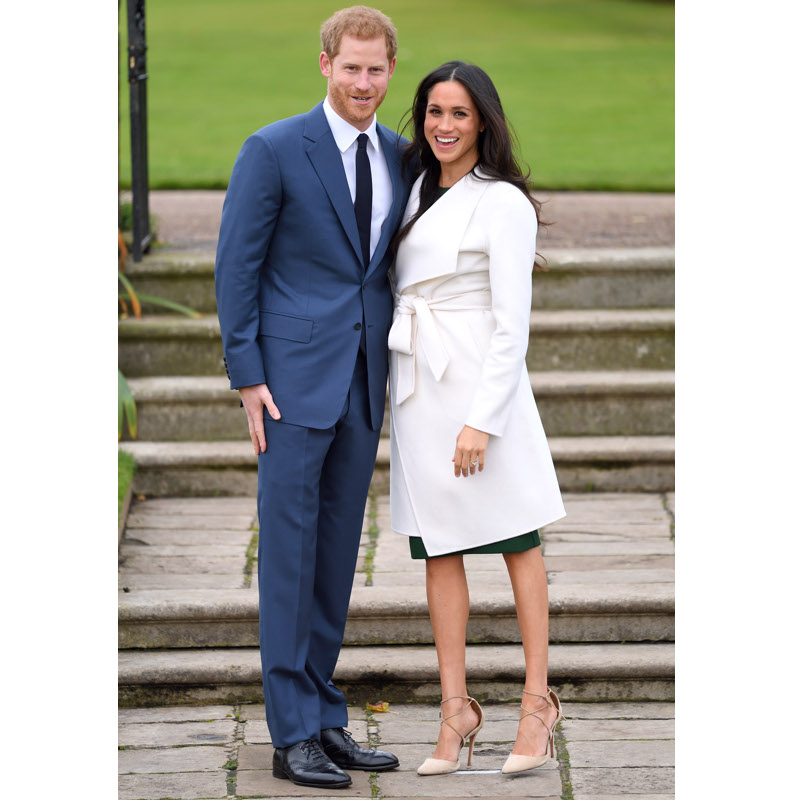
[188,614]
[601,359]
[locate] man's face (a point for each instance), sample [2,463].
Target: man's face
[358,78]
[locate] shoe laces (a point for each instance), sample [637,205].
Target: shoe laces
[312,748]
[348,738]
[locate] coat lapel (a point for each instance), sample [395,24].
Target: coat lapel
[327,161]
[431,248]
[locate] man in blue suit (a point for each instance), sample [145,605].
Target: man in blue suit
[305,308]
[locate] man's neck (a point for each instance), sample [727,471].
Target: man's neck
[361,126]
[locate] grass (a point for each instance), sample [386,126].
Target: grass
[125,469]
[588,84]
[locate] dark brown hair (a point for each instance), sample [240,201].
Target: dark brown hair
[496,156]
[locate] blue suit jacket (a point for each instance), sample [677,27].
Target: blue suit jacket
[291,287]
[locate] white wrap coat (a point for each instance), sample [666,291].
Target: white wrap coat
[457,347]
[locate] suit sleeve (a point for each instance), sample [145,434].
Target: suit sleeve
[251,208]
[511,247]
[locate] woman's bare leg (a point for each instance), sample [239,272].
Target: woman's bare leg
[448,602]
[529,582]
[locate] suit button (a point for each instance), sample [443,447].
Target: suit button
[357,326]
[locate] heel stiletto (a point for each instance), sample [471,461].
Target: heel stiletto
[517,763]
[441,766]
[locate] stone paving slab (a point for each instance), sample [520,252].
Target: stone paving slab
[624,781]
[582,516]
[172,759]
[593,549]
[611,576]
[400,730]
[183,785]
[188,537]
[133,581]
[637,796]
[137,519]
[470,783]
[608,533]
[490,757]
[174,714]
[253,782]
[584,730]
[660,753]
[184,565]
[650,711]
[189,218]
[166,734]
[130,549]
[616,750]
[195,505]
[579,563]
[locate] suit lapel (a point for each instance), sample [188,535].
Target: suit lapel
[327,162]
[389,145]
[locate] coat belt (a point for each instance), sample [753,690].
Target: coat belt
[414,322]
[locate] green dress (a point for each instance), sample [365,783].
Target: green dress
[516,544]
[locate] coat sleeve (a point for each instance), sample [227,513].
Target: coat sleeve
[511,247]
[251,208]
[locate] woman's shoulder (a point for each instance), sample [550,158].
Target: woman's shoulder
[504,197]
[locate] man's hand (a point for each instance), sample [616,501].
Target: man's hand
[254,398]
[470,451]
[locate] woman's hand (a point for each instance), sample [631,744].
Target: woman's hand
[470,451]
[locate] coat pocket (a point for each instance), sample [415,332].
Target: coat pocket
[285,326]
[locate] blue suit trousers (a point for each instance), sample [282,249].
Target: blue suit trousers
[312,491]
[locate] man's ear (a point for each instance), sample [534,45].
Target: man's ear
[392,66]
[325,64]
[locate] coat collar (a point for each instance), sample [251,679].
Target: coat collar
[326,159]
[431,248]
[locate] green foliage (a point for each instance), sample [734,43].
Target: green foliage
[588,84]
[126,407]
[125,216]
[126,467]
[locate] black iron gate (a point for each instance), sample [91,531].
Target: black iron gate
[137,78]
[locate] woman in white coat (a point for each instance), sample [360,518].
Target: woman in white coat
[461,401]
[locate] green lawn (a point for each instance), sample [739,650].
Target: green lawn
[588,84]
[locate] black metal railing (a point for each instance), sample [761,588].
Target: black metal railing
[137,78]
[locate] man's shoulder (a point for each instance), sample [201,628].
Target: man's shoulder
[282,129]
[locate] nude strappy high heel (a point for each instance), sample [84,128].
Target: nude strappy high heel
[441,766]
[517,763]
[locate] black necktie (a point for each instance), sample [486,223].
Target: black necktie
[363,204]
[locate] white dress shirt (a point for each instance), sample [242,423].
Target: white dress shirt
[345,136]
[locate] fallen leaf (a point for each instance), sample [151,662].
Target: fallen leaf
[381,707]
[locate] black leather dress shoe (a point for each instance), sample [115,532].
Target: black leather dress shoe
[344,752]
[306,764]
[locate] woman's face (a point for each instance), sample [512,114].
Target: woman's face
[452,124]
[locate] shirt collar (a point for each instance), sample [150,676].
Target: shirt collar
[344,133]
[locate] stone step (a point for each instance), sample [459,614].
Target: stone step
[399,615]
[583,463]
[636,402]
[566,339]
[403,673]
[575,278]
